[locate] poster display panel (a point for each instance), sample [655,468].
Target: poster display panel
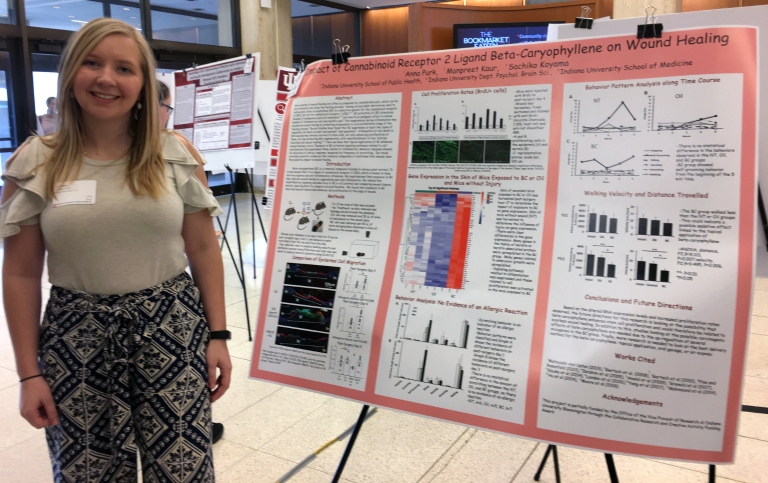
[552,240]
[214,104]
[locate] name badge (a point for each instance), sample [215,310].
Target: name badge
[80,192]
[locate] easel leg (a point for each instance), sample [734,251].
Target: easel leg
[350,444]
[240,253]
[761,209]
[712,476]
[550,449]
[258,213]
[253,224]
[611,468]
[226,222]
[224,241]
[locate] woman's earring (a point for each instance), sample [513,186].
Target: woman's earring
[138,105]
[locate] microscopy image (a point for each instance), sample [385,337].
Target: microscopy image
[447,152]
[423,152]
[471,151]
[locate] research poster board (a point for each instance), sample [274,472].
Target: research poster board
[214,104]
[550,240]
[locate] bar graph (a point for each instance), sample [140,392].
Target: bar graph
[654,228]
[438,124]
[650,226]
[648,267]
[425,366]
[602,224]
[596,262]
[483,120]
[436,246]
[414,326]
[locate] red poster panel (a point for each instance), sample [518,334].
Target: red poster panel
[214,104]
[550,240]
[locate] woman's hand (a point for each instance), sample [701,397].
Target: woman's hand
[37,404]
[218,357]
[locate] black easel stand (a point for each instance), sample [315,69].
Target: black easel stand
[611,468]
[241,272]
[553,449]
[761,209]
[350,444]
[609,457]
[255,207]
[550,449]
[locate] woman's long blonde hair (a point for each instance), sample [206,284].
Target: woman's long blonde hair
[146,168]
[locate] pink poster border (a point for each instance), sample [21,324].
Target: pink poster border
[745,63]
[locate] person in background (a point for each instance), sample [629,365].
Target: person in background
[132,350]
[164,96]
[46,123]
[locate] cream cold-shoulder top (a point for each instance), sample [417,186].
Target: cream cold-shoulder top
[121,243]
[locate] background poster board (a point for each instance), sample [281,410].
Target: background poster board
[263,108]
[553,240]
[214,104]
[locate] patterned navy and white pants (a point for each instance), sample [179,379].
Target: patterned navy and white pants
[128,371]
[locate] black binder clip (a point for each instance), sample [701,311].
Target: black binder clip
[339,54]
[650,29]
[584,22]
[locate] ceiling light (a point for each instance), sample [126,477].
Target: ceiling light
[133,18]
[126,8]
[80,21]
[56,6]
[192,18]
[71,16]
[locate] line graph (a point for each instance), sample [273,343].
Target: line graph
[308,296]
[305,318]
[311,275]
[597,166]
[607,169]
[302,339]
[621,120]
[706,123]
[699,124]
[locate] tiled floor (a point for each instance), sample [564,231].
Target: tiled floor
[269,428]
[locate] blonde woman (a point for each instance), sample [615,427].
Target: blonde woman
[129,347]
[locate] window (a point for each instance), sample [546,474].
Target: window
[7,14]
[62,15]
[127,13]
[193,21]
[7,135]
